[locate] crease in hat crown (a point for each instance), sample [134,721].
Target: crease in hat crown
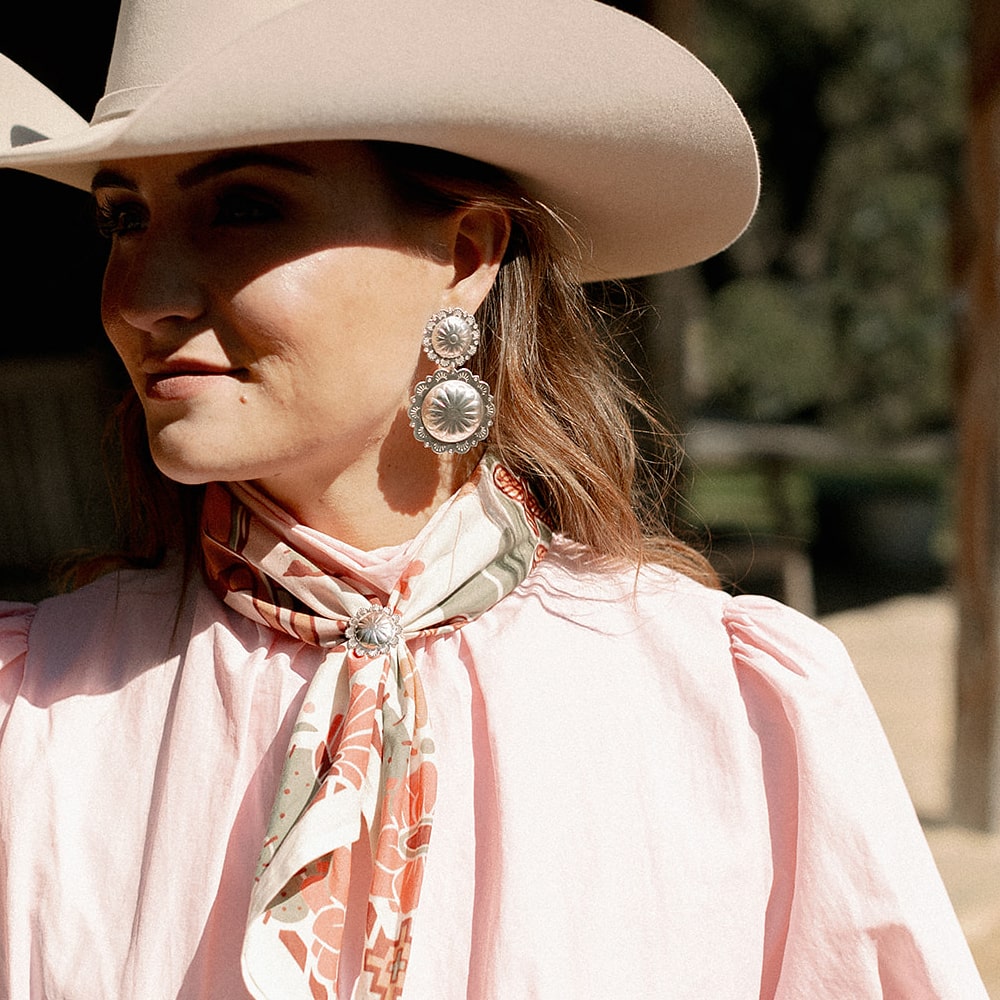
[154,40]
[593,111]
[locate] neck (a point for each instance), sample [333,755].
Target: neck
[384,497]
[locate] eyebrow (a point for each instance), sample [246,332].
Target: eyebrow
[222,164]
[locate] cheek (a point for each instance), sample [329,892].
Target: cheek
[124,339]
[109,314]
[400,297]
[351,306]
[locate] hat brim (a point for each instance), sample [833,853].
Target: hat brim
[595,112]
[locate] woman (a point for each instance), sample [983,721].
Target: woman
[369,721]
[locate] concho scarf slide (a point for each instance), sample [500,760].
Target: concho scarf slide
[361,747]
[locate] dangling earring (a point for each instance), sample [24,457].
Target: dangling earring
[451,410]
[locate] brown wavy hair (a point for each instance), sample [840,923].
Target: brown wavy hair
[567,421]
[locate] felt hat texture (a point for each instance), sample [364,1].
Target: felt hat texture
[593,111]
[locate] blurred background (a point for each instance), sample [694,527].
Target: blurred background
[834,375]
[816,357]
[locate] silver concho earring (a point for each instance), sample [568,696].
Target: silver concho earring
[451,410]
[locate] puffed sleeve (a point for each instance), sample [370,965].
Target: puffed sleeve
[857,909]
[15,621]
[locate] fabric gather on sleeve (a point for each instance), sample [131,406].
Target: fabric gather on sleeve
[15,623]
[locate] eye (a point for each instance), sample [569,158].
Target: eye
[118,218]
[245,207]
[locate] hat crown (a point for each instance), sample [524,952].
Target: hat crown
[592,111]
[154,41]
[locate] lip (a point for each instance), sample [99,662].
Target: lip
[182,379]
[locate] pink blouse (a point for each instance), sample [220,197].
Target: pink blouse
[647,789]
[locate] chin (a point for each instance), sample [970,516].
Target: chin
[188,475]
[192,469]
[193,456]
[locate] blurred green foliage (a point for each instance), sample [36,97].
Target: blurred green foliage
[835,306]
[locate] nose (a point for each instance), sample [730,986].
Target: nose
[153,283]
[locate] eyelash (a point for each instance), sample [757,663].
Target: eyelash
[117,218]
[234,208]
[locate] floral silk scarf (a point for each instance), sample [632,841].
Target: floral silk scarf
[361,747]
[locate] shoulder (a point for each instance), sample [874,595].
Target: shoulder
[114,599]
[754,631]
[743,661]
[659,627]
[121,620]
[572,574]
[69,639]
[15,623]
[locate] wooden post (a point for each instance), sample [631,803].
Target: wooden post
[976,784]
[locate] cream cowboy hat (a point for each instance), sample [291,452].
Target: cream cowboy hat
[593,111]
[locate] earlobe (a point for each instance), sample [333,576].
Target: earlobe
[480,241]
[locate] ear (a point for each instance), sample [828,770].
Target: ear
[479,240]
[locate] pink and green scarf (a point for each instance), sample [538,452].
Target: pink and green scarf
[362,747]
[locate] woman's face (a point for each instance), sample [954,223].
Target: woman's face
[268,304]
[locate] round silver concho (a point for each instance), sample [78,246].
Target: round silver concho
[451,337]
[451,411]
[372,631]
